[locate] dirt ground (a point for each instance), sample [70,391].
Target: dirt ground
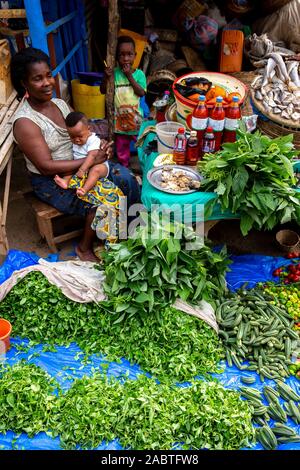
[23,232]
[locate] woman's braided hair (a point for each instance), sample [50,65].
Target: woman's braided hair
[20,66]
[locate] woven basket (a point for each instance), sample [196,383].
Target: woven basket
[288,240]
[273,130]
[233,7]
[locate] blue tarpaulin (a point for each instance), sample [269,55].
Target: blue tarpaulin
[66,363]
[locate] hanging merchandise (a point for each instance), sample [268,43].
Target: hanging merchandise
[192,149]
[217,121]
[232,120]
[180,147]
[202,32]
[200,118]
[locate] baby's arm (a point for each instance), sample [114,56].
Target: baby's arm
[88,163]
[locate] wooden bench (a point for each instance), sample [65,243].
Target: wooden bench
[7,145]
[45,215]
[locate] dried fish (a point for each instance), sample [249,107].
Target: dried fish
[295,116]
[258,95]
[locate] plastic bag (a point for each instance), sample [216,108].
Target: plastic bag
[202,31]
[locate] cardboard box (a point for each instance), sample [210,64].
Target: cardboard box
[6,87]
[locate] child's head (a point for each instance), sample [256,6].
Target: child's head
[125,50]
[78,127]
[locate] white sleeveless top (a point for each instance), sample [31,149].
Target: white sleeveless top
[57,138]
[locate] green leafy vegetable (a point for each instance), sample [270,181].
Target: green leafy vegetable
[148,272]
[145,415]
[254,178]
[26,399]
[168,343]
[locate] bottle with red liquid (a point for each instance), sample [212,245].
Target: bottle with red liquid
[161,107]
[209,141]
[217,121]
[232,120]
[192,149]
[179,152]
[200,119]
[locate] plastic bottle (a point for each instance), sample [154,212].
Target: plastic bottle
[180,147]
[217,121]
[161,107]
[232,119]
[192,149]
[200,118]
[209,141]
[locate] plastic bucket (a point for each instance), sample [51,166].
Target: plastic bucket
[166,133]
[88,100]
[5,331]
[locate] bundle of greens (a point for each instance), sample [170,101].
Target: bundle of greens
[149,271]
[254,178]
[169,344]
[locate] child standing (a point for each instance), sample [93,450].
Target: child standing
[130,86]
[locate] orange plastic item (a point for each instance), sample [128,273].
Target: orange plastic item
[231,95]
[5,330]
[231,52]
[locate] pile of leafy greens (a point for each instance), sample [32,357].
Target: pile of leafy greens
[141,413]
[170,344]
[163,261]
[26,398]
[254,178]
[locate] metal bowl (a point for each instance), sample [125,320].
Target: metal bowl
[154,177]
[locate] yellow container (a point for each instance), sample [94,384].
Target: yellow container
[140,43]
[88,100]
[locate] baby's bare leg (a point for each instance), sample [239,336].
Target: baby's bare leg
[96,172]
[62,181]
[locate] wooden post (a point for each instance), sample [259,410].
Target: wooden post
[113,28]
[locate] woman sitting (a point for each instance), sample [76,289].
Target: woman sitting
[40,132]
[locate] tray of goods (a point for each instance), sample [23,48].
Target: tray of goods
[275,92]
[175,179]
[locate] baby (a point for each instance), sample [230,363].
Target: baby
[86,145]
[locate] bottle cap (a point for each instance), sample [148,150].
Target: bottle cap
[201,98]
[209,129]
[167,92]
[235,99]
[193,133]
[219,99]
[181,130]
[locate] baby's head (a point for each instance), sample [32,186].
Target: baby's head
[125,50]
[78,127]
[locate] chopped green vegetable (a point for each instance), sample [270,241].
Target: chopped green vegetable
[168,343]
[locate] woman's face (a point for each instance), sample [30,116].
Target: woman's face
[40,82]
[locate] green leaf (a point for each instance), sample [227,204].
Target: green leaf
[246,224]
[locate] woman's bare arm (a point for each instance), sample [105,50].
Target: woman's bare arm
[32,143]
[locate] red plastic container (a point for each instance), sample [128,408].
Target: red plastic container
[5,331]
